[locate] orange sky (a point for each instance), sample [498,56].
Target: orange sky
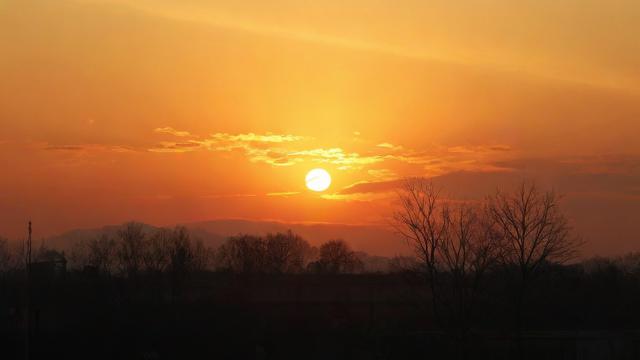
[171,111]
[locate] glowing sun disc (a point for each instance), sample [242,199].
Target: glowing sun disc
[318,180]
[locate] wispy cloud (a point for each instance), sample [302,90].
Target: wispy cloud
[478,149]
[355,197]
[387,145]
[268,148]
[284,194]
[66,147]
[251,137]
[489,61]
[367,187]
[615,176]
[229,196]
[258,148]
[172,131]
[377,159]
[86,148]
[338,156]
[176,147]
[382,174]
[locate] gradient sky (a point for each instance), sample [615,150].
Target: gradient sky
[173,111]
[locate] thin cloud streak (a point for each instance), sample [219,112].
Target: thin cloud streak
[283,194]
[172,131]
[228,22]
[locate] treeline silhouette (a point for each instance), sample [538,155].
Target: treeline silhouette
[497,278]
[134,252]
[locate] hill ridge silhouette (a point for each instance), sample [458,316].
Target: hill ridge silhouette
[372,239]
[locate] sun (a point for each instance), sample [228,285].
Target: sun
[318,180]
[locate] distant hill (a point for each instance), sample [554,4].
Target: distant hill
[372,239]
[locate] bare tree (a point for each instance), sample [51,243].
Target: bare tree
[535,232]
[203,256]
[46,254]
[243,253]
[455,245]
[180,252]
[79,255]
[130,250]
[335,256]
[286,252]
[420,221]
[180,258]
[470,249]
[156,252]
[17,252]
[5,255]
[102,254]
[275,253]
[98,253]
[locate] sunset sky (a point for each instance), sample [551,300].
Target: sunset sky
[168,111]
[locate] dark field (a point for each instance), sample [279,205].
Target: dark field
[311,316]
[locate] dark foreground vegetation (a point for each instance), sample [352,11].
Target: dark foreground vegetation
[496,280]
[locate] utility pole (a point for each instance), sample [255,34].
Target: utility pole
[28,295]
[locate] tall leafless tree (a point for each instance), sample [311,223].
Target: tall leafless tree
[130,250]
[203,256]
[156,252]
[97,253]
[535,232]
[5,255]
[455,244]
[181,259]
[420,221]
[102,254]
[180,252]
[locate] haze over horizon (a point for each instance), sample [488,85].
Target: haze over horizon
[173,111]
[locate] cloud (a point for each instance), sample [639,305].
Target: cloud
[73,155]
[355,197]
[605,164]
[439,160]
[176,147]
[368,187]
[608,164]
[87,148]
[269,148]
[251,137]
[284,150]
[616,175]
[478,149]
[489,60]
[383,174]
[258,148]
[171,131]
[284,194]
[338,156]
[335,156]
[387,145]
[225,196]
[499,148]
[66,147]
